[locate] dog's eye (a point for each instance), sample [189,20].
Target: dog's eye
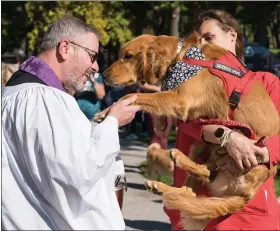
[127,56]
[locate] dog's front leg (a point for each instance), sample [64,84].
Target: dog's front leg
[160,103]
[100,116]
[167,104]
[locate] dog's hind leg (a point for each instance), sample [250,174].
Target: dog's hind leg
[159,188]
[186,164]
[156,187]
[202,207]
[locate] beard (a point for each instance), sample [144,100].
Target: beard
[74,81]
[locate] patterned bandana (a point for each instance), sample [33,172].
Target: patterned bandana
[182,71]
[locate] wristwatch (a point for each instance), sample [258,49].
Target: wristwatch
[219,133]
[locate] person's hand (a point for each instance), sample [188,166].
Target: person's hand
[92,78]
[123,111]
[245,152]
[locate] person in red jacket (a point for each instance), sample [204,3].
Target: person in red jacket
[262,212]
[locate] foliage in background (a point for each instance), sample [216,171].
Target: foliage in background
[109,21]
[13,26]
[119,21]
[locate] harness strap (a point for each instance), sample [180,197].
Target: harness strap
[241,90]
[203,63]
[246,79]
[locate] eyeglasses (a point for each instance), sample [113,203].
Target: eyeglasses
[92,54]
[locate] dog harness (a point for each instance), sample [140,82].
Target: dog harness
[237,79]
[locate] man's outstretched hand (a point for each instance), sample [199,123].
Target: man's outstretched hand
[123,111]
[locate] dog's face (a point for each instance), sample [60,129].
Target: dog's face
[143,59]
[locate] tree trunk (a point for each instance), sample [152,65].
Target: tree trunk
[174,30]
[275,30]
[261,30]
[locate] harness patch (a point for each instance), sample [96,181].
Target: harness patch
[230,70]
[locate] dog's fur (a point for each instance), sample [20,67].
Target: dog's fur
[7,71]
[158,161]
[147,59]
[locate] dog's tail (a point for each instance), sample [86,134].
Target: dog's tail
[154,146]
[203,207]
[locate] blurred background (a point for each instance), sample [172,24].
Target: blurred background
[23,23]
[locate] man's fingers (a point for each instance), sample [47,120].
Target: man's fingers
[132,115]
[134,108]
[129,100]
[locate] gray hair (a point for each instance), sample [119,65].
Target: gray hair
[68,27]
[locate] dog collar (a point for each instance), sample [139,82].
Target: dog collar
[180,45]
[182,71]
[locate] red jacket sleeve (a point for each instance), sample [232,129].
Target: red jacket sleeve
[272,84]
[192,129]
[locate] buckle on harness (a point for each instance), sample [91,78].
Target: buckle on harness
[234,99]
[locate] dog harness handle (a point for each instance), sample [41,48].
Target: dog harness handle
[242,83]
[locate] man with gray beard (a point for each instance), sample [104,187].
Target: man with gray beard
[58,169]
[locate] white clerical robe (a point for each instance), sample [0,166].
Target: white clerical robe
[57,169]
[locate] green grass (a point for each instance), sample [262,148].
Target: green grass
[168,179]
[277,182]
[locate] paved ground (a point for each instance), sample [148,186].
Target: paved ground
[142,210]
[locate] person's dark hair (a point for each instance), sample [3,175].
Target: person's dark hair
[226,22]
[67,27]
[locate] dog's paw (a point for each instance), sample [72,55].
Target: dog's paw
[153,187]
[204,174]
[156,187]
[99,117]
[172,155]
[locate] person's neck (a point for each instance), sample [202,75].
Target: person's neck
[50,59]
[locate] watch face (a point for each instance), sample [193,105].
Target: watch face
[219,132]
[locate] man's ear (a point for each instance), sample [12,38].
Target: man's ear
[63,49]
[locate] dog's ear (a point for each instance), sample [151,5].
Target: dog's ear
[153,64]
[149,66]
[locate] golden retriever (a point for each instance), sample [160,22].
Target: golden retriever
[158,161]
[148,58]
